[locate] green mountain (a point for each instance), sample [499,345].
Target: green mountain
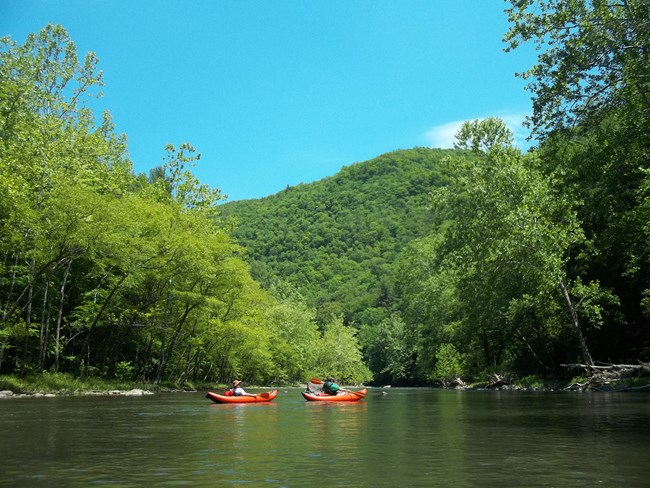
[336,239]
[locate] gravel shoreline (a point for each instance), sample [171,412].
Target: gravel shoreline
[133,392]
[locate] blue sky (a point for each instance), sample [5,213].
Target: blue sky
[277,93]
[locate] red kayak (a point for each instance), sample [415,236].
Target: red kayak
[260,397]
[346,396]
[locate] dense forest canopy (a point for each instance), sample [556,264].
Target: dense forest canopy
[419,266]
[336,239]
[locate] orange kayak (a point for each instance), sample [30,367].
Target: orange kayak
[260,397]
[346,396]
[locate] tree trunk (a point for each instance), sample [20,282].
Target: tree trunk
[166,354]
[531,349]
[45,324]
[86,345]
[586,357]
[28,316]
[59,319]
[162,361]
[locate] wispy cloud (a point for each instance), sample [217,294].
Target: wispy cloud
[444,135]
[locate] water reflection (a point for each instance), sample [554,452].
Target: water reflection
[405,437]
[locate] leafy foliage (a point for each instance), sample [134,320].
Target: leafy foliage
[594,58]
[339,354]
[449,363]
[105,273]
[388,352]
[591,105]
[336,239]
[506,242]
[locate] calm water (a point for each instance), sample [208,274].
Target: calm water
[401,437]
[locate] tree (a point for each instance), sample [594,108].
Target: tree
[591,107]
[594,56]
[508,236]
[99,268]
[483,135]
[49,146]
[389,351]
[295,335]
[184,187]
[339,354]
[449,364]
[429,301]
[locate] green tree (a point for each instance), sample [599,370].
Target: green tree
[594,57]
[449,364]
[429,302]
[295,335]
[389,351]
[483,135]
[591,107]
[339,354]
[508,236]
[103,272]
[49,146]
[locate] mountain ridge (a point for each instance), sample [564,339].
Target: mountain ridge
[336,239]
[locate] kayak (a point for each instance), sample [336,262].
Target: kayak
[352,396]
[260,397]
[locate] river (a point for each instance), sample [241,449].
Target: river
[393,438]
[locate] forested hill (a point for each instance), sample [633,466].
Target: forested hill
[336,239]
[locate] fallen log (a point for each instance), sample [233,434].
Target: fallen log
[623,370]
[497,381]
[601,375]
[454,383]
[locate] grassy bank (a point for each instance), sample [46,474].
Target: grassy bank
[65,384]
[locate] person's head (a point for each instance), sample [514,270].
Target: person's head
[330,378]
[236,383]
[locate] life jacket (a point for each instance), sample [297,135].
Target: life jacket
[327,388]
[228,393]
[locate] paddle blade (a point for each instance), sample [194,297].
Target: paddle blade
[264,395]
[316,380]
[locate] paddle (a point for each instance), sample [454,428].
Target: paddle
[357,393]
[264,395]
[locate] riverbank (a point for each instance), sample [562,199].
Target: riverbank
[59,384]
[132,392]
[535,384]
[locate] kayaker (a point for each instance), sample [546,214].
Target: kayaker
[330,387]
[238,390]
